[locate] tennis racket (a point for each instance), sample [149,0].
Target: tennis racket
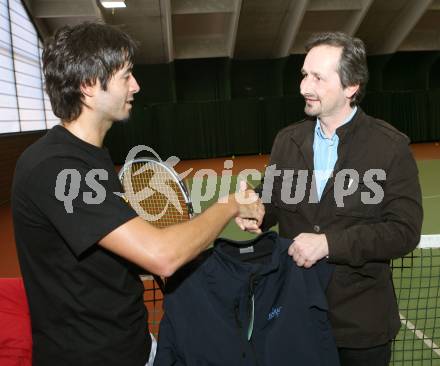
[157,194]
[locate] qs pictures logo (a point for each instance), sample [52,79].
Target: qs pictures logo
[151,185]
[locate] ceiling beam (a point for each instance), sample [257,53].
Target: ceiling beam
[200,47]
[421,41]
[401,27]
[167,30]
[232,36]
[355,21]
[332,5]
[203,6]
[290,26]
[61,9]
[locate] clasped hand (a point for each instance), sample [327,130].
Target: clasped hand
[308,248]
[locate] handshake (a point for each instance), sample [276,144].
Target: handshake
[250,209]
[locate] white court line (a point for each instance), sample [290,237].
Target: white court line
[433,196]
[429,342]
[429,241]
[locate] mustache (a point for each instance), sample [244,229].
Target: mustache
[310,96]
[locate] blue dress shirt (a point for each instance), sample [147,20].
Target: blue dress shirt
[325,154]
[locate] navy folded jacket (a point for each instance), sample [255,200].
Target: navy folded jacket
[247,303]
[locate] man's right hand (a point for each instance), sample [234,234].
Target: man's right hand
[251,210]
[163,251]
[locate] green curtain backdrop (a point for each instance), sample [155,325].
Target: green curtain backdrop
[409,70]
[220,107]
[156,82]
[408,111]
[434,75]
[203,79]
[193,130]
[257,78]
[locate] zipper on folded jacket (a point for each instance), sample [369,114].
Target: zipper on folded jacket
[246,339]
[253,280]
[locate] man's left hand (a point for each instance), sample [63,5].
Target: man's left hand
[308,248]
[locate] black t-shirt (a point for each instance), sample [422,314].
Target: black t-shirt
[86,303]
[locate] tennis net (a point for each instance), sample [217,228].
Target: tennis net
[416,280]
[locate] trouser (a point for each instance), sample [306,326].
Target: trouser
[374,356]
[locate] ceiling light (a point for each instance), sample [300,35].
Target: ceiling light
[113,4]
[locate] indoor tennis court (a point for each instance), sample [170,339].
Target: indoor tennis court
[210,84]
[416,277]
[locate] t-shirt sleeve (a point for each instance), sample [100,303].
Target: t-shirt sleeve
[78,201]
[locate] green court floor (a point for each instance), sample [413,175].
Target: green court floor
[429,171]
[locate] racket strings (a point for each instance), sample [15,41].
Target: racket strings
[154,194]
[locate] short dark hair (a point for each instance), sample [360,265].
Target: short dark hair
[81,55]
[353,67]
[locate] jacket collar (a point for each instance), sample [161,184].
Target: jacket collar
[229,253]
[300,135]
[348,129]
[303,138]
[228,279]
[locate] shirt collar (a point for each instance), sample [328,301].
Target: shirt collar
[320,133]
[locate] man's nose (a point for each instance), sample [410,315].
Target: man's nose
[134,86]
[304,87]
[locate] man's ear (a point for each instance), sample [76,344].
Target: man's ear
[89,89]
[349,91]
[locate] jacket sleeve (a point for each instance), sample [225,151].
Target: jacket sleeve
[398,229]
[270,215]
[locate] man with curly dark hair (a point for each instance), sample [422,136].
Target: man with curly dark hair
[84,292]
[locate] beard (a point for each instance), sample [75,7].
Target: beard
[125,119]
[312,104]
[311,111]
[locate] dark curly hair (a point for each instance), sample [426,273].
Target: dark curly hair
[353,67]
[81,55]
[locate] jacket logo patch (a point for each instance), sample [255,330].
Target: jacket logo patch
[275,313]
